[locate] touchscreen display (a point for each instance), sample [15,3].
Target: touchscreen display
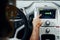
[48,13]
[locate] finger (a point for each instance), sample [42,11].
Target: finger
[41,24]
[38,16]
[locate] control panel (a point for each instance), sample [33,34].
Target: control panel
[49,30]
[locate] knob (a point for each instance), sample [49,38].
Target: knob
[47,30]
[47,22]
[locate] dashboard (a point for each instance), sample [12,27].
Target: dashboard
[49,18]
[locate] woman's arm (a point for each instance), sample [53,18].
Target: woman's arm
[35,34]
[36,24]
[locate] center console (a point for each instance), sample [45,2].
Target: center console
[49,30]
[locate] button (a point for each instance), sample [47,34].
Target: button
[47,22]
[47,30]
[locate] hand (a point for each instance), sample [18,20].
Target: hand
[37,22]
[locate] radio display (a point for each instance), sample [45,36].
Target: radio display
[47,13]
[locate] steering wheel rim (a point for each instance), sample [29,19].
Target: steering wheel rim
[26,35]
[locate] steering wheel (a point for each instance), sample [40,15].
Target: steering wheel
[19,21]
